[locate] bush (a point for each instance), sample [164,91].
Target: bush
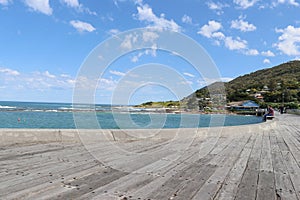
[291,105]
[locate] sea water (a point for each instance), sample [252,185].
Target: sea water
[62,115]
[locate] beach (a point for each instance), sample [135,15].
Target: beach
[257,161]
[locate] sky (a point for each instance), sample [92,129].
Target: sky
[45,43]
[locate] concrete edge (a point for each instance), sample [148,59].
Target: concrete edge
[16,136]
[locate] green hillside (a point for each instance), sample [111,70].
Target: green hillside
[279,84]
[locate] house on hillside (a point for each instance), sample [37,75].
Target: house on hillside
[243,106]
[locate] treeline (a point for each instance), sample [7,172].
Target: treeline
[277,85]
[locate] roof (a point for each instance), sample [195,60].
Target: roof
[250,104]
[247,103]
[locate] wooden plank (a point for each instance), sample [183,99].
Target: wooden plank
[248,186]
[266,187]
[198,156]
[230,186]
[266,158]
[266,177]
[293,170]
[176,185]
[212,186]
[283,185]
[293,144]
[80,186]
[56,165]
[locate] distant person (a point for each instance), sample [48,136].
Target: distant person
[281,109]
[270,113]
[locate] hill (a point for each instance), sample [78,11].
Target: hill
[279,84]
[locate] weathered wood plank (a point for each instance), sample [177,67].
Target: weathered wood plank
[283,185]
[247,188]
[293,170]
[266,177]
[230,186]
[215,182]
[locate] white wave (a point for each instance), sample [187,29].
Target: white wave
[51,110]
[65,108]
[7,107]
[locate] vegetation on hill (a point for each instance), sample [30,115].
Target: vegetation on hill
[277,85]
[160,104]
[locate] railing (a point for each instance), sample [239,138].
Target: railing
[293,111]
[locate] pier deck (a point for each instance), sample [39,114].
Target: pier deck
[260,161]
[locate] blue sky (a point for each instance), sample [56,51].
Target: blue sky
[43,43]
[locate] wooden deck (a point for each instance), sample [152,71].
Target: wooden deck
[246,162]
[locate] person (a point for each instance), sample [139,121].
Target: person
[281,109]
[270,113]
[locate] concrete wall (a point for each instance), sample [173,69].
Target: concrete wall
[15,136]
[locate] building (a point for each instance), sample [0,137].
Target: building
[243,106]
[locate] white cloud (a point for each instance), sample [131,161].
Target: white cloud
[113,31]
[102,84]
[106,84]
[208,81]
[290,2]
[131,39]
[117,73]
[214,6]
[135,59]
[218,7]
[79,7]
[208,30]
[266,61]
[72,3]
[187,19]
[146,14]
[218,35]
[242,25]
[297,58]
[211,30]
[39,6]
[235,44]
[289,41]
[128,42]
[37,81]
[82,26]
[121,1]
[268,53]
[48,75]
[7,71]
[189,75]
[65,76]
[252,52]
[138,2]
[226,79]
[151,52]
[5,2]
[71,82]
[244,4]
[149,36]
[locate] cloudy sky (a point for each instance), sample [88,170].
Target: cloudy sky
[43,43]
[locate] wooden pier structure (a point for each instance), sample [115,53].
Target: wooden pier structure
[259,161]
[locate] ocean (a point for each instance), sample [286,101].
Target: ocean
[62,115]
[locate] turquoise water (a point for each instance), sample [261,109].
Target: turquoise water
[60,116]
